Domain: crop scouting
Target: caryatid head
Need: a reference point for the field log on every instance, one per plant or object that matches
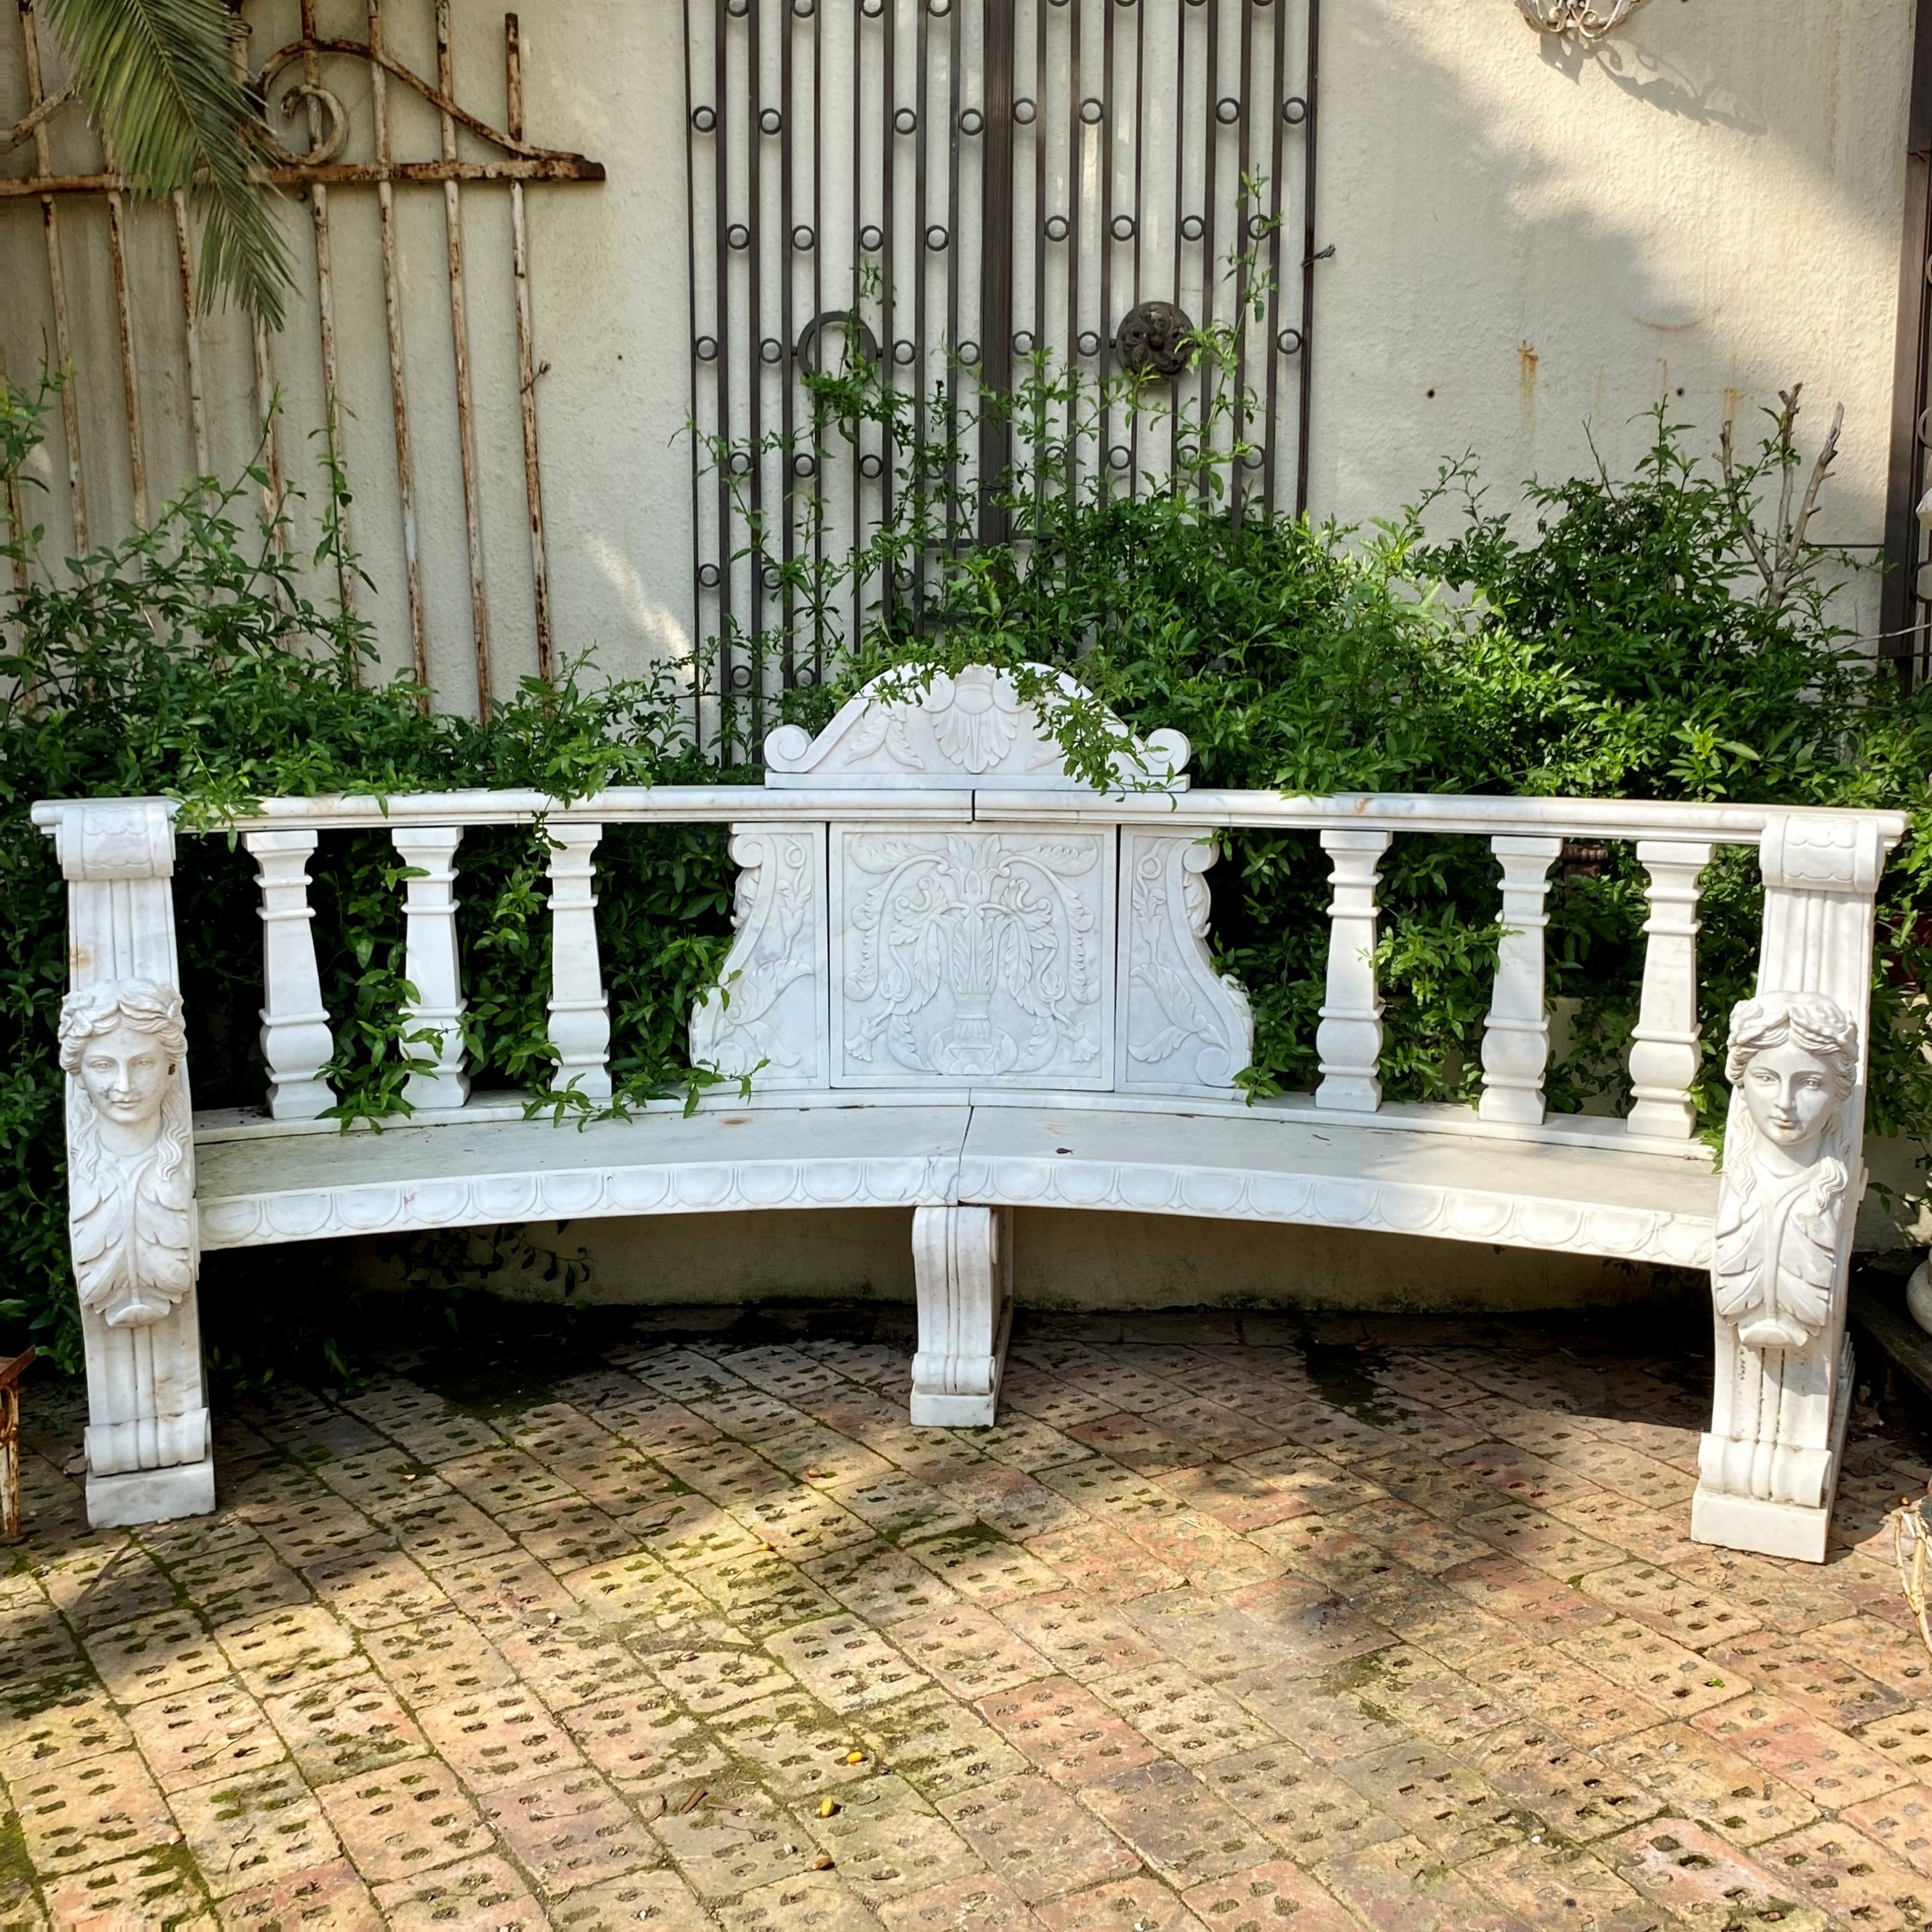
(1793, 1061)
(122, 1039)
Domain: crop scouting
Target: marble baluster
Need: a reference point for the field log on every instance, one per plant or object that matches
(432, 966)
(1666, 1051)
(1516, 1038)
(296, 1043)
(1349, 1042)
(580, 1012)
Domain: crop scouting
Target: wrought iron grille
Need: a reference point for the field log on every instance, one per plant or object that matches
(306, 86)
(954, 187)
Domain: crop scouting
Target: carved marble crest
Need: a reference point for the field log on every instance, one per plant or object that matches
(908, 731)
(130, 1155)
(971, 956)
(1793, 1064)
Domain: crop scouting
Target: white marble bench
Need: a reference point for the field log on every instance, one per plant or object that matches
(964, 982)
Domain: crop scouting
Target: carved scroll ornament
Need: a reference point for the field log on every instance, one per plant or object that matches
(130, 1164)
(1793, 1064)
(1587, 20)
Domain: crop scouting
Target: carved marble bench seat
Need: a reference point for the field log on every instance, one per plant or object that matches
(965, 981)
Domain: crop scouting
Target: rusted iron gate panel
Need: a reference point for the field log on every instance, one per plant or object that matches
(957, 186)
(11, 1370)
(304, 82)
(1906, 605)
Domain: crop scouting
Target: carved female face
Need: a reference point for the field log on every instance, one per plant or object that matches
(125, 1073)
(1790, 1092)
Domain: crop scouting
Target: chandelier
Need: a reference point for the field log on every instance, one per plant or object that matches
(1587, 20)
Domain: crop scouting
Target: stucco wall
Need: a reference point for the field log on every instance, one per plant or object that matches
(1532, 246)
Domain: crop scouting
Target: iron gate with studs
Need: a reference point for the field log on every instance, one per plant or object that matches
(952, 187)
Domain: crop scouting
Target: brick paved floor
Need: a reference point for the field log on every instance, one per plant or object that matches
(1231, 1627)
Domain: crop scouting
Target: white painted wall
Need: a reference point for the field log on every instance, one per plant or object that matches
(1535, 245)
(1532, 245)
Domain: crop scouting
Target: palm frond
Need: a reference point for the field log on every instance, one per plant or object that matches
(156, 77)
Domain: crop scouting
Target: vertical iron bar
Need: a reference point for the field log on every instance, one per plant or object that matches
(721, 297)
(820, 449)
(325, 301)
(921, 215)
(123, 317)
(30, 41)
(951, 258)
(1103, 363)
(1174, 397)
(197, 412)
(754, 317)
(787, 335)
(690, 363)
(1902, 611)
(889, 88)
(1076, 154)
(1310, 147)
(1038, 453)
(526, 369)
(1210, 209)
(392, 318)
(459, 328)
(996, 262)
(1278, 213)
(857, 589)
(1140, 118)
(1238, 490)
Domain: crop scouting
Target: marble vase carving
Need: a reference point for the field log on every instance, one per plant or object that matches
(131, 1157)
(968, 955)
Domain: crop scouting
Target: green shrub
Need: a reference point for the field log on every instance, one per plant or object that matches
(1666, 636)
(189, 663)
(1663, 636)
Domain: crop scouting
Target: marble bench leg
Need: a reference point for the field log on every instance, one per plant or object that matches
(963, 1266)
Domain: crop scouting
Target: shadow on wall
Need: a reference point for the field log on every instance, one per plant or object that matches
(1536, 242)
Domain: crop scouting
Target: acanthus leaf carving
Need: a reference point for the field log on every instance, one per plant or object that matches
(131, 1154)
(1182, 1023)
(766, 1017)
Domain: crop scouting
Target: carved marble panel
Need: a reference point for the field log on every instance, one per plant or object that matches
(768, 1015)
(1183, 1026)
(971, 957)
